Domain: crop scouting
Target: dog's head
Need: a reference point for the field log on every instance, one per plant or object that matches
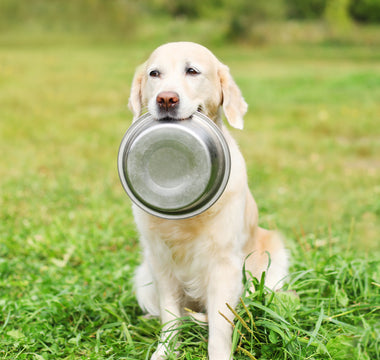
(181, 78)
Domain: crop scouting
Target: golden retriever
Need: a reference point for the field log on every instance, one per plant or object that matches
(197, 262)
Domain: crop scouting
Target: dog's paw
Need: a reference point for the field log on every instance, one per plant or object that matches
(162, 353)
(199, 318)
(156, 356)
(159, 354)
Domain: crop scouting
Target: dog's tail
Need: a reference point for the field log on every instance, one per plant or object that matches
(268, 254)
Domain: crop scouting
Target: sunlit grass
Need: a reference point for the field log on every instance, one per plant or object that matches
(68, 246)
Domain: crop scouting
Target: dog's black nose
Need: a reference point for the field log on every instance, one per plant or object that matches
(167, 100)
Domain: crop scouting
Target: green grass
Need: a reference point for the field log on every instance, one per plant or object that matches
(68, 245)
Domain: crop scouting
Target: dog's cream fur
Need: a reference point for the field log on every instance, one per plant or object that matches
(197, 262)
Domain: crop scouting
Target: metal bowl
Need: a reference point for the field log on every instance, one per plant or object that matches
(174, 169)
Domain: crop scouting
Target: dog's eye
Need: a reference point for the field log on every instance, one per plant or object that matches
(192, 71)
(154, 73)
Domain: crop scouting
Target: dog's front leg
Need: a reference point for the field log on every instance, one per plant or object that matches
(224, 287)
(168, 291)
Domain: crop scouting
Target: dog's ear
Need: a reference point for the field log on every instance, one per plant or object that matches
(234, 106)
(135, 99)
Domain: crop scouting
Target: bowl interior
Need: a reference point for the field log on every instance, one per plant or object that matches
(174, 168)
(168, 168)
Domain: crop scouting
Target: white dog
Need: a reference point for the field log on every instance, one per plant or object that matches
(197, 262)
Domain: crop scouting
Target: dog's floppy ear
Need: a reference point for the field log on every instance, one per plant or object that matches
(234, 106)
(135, 99)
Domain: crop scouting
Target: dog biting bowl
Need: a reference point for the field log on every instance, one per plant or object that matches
(174, 169)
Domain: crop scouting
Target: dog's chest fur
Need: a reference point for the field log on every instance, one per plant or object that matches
(186, 249)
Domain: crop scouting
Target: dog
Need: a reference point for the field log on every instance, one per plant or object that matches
(197, 262)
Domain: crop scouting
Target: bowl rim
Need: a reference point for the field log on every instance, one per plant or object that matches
(133, 131)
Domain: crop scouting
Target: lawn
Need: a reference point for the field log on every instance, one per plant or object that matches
(68, 245)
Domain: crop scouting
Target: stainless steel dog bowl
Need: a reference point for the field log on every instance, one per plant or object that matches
(174, 169)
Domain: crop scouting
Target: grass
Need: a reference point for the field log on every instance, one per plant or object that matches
(68, 246)
(329, 312)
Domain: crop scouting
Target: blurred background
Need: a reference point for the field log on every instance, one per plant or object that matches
(213, 21)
